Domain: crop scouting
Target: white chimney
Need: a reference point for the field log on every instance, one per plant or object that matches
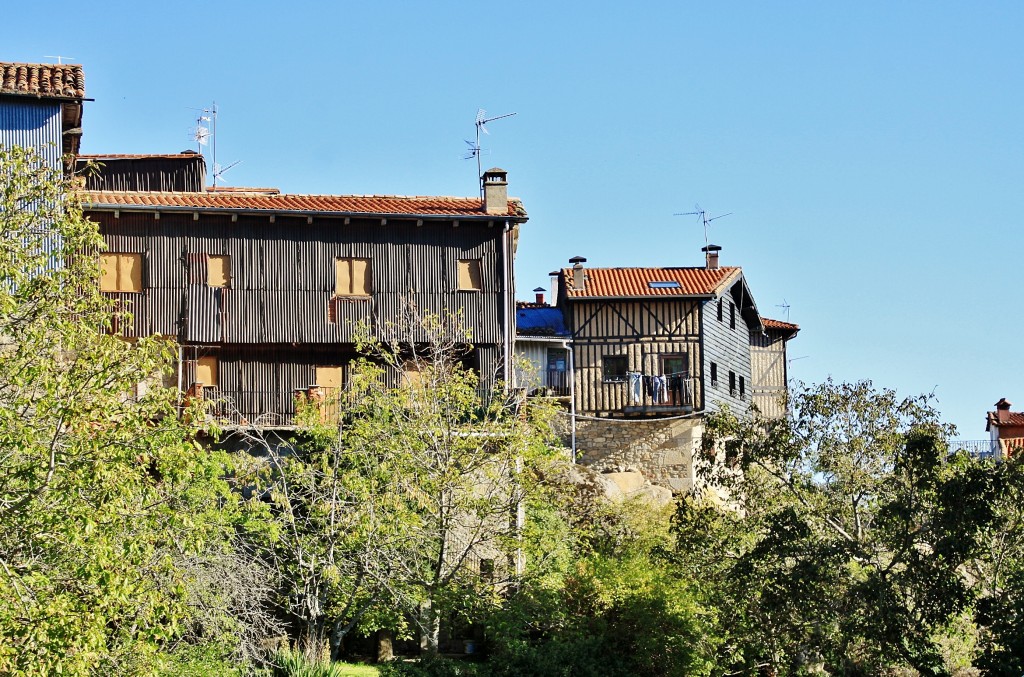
(579, 276)
(495, 191)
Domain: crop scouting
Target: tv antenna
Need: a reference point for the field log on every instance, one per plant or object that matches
(218, 171)
(785, 308)
(205, 132)
(703, 214)
(58, 57)
(474, 148)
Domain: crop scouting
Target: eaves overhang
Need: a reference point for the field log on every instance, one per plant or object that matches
(304, 213)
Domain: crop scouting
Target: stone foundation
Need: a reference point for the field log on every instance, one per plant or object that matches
(663, 450)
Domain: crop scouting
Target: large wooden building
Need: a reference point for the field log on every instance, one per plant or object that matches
(264, 291)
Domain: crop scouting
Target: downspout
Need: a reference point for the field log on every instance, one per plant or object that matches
(506, 320)
(572, 397)
(181, 358)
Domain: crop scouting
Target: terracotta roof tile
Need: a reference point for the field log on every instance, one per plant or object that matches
(345, 204)
(769, 323)
(136, 156)
(61, 81)
(634, 282)
(1011, 418)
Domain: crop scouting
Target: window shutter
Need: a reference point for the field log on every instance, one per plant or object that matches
(361, 277)
(206, 370)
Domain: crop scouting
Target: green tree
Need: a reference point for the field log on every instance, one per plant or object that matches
(404, 508)
(848, 537)
(109, 511)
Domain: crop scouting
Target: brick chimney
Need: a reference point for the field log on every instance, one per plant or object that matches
(579, 276)
(1003, 410)
(539, 291)
(711, 255)
(495, 183)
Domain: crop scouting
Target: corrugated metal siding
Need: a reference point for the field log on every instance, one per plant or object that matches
(187, 175)
(35, 124)
(282, 277)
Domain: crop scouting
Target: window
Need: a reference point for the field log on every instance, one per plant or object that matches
(719, 310)
(218, 271)
(614, 368)
(714, 374)
(732, 383)
(743, 389)
(121, 272)
(663, 284)
(487, 570)
(206, 371)
(352, 277)
(732, 315)
(470, 275)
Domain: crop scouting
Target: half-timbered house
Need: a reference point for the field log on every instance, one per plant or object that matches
(770, 366)
(265, 291)
(656, 349)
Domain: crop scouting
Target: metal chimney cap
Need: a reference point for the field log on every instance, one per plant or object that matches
(539, 289)
(554, 273)
(711, 248)
(578, 259)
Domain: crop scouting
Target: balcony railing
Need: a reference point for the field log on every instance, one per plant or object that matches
(667, 394)
(556, 382)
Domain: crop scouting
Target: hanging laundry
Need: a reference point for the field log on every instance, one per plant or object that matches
(635, 379)
(657, 388)
(675, 388)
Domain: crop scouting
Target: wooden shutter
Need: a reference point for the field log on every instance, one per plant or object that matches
(129, 272)
(361, 277)
(469, 274)
(342, 277)
(206, 370)
(218, 271)
(329, 377)
(108, 272)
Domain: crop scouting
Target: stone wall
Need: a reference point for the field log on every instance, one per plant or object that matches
(663, 450)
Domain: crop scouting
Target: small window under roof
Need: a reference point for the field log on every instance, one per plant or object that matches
(663, 284)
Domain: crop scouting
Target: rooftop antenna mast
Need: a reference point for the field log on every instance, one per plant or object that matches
(58, 57)
(785, 308)
(474, 148)
(703, 214)
(206, 132)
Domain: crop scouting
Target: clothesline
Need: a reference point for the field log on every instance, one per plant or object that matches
(674, 373)
(660, 388)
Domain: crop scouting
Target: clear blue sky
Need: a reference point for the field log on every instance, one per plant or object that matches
(870, 152)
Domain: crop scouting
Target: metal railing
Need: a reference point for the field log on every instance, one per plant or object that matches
(556, 382)
(975, 448)
(669, 392)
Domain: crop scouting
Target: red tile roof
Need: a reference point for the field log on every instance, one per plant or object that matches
(63, 81)
(343, 204)
(634, 282)
(1010, 418)
(136, 156)
(769, 323)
